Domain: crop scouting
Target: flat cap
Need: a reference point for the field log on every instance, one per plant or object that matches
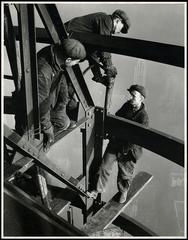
(138, 88)
(123, 16)
(74, 48)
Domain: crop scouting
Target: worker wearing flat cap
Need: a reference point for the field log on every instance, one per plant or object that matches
(103, 24)
(53, 88)
(125, 153)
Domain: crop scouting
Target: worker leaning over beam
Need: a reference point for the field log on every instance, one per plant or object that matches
(103, 24)
(53, 88)
(125, 153)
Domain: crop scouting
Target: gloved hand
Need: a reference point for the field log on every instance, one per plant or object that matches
(48, 138)
(103, 79)
(111, 71)
(72, 104)
(126, 148)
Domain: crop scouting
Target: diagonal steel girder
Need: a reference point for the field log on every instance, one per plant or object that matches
(52, 22)
(26, 148)
(158, 142)
(56, 33)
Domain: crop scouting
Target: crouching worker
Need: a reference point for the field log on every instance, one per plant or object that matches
(125, 153)
(53, 86)
(103, 24)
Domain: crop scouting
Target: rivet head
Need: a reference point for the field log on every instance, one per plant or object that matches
(27, 70)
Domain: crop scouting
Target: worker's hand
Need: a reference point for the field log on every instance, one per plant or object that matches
(111, 71)
(103, 79)
(48, 138)
(72, 104)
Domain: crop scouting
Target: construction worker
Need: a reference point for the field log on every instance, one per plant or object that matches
(103, 24)
(53, 87)
(125, 153)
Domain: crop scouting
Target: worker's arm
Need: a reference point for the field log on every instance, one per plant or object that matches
(44, 83)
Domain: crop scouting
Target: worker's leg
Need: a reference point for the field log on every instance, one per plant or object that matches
(73, 104)
(103, 174)
(105, 170)
(58, 114)
(126, 167)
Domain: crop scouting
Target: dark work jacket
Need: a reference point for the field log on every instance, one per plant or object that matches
(140, 116)
(99, 23)
(52, 85)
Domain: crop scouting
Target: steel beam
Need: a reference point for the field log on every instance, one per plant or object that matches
(56, 31)
(43, 35)
(98, 147)
(132, 226)
(75, 75)
(25, 217)
(149, 50)
(8, 105)
(111, 210)
(27, 149)
(10, 43)
(50, 14)
(153, 51)
(29, 68)
(48, 22)
(88, 139)
(158, 142)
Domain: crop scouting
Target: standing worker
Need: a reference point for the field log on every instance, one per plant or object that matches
(125, 153)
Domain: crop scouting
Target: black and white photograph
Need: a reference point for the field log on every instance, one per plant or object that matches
(94, 120)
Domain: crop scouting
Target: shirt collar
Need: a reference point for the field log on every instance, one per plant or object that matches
(54, 60)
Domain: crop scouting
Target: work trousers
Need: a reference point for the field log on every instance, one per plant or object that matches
(126, 165)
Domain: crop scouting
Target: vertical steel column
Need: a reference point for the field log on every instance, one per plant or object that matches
(29, 67)
(107, 102)
(88, 151)
(98, 149)
(30, 83)
(70, 216)
(10, 43)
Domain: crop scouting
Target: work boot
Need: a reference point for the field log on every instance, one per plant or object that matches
(72, 124)
(102, 79)
(122, 197)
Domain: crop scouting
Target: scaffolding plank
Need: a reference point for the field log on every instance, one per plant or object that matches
(110, 211)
